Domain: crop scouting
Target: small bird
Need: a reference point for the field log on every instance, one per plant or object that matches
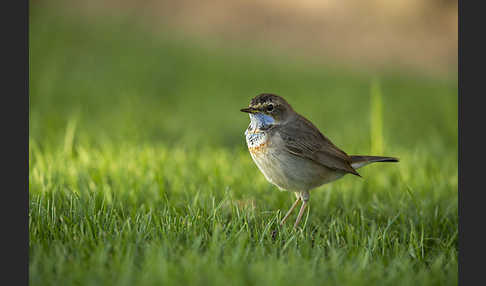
(292, 153)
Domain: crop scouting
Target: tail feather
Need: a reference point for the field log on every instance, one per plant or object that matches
(360, 161)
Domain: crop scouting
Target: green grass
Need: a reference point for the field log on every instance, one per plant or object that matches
(139, 173)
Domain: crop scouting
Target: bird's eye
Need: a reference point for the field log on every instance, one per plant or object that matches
(270, 107)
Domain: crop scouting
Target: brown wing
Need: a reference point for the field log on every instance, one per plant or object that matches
(303, 139)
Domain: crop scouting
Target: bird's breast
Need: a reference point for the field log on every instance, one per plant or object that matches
(257, 142)
(282, 168)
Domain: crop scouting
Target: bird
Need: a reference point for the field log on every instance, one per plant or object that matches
(292, 153)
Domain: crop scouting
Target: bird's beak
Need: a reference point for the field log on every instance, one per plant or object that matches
(249, 110)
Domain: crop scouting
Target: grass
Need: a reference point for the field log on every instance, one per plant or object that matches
(139, 174)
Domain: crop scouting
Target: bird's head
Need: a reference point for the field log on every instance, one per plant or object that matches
(269, 109)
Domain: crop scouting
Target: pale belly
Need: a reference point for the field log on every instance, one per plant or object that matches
(285, 170)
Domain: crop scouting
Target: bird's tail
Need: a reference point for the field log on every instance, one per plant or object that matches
(360, 161)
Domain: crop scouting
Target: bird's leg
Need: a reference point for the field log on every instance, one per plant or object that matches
(305, 198)
(291, 209)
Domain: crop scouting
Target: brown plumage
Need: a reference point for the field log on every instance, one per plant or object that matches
(296, 155)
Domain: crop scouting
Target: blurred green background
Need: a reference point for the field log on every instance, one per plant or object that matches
(119, 81)
(136, 136)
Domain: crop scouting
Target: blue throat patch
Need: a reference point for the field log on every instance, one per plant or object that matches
(260, 121)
